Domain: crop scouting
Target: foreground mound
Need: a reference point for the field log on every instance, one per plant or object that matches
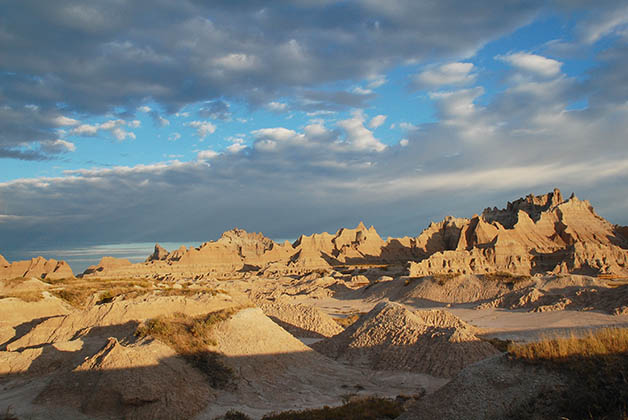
(302, 320)
(390, 337)
(139, 381)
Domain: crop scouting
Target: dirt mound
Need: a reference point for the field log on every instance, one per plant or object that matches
(145, 380)
(575, 295)
(457, 288)
(391, 337)
(489, 389)
(302, 320)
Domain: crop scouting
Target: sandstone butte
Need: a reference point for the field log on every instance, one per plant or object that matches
(532, 235)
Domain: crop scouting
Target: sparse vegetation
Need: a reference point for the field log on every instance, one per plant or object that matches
(191, 337)
(370, 408)
(442, 278)
(505, 277)
(596, 371)
(233, 415)
(26, 296)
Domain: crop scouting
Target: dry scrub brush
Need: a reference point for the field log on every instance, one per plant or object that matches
(191, 337)
(595, 368)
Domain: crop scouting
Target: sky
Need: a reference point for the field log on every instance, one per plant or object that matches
(135, 122)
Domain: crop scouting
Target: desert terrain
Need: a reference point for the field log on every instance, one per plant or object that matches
(432, 325)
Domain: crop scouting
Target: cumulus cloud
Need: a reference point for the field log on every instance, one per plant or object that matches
(115, 127)
(276, 106)
(447, 74)
(203, 128)
(533, 63)
(358, 136)
(207, 154)
(377, 121)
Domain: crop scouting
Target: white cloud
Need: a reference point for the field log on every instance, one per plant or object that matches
(377, 121)
(57, 146)
(361, 91)
(203, 128)
(237, 62)
(236, 147)
(358, 136)
(174, 136)
(447, 74)
(144, 108)
(207, 154)
(113, 126)
(533, 63)
(276, 106)
(85, 130)
(64, 121)
(135, 123)
(403, 142)
(376, 81)
(162, 121)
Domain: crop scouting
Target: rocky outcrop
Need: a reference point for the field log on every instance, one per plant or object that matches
(238, 251)
(536, 234)
(39, 267)
(390, 337)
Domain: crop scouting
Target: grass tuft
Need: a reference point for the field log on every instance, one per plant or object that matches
(596, 370)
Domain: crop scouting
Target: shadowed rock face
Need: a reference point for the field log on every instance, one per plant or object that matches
(532, 235)
(37, 267)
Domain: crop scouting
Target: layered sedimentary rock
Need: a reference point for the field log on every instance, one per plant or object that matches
(536, 234)
(241, 251)
(39, 267)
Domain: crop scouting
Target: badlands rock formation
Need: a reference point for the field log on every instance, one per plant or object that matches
(391, 337)
(39, 267)
(536, 234)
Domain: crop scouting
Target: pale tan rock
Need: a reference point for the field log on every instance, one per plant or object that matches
(37, 267)
(302, 320)
(391, 337)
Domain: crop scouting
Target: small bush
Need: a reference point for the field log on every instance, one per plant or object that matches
(190, 337)
(234, 415)
(442, 278)
(370, 408)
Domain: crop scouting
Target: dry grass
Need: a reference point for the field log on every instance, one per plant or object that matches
(442, 278)
(26, 296)
(595, 368)
(191, 337)
(505, 277)
(606, 341)
(370, 408)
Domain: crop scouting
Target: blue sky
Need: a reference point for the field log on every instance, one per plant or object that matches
(140, 122)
